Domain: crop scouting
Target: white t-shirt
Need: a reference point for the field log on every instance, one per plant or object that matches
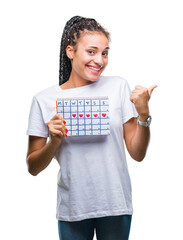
(93, 180)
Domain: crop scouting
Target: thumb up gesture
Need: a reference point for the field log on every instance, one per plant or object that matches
(140, 97)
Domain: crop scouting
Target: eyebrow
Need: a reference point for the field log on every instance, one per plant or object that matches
(97, 47)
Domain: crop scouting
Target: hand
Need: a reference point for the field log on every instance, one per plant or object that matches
(140, 97)
(57, 129)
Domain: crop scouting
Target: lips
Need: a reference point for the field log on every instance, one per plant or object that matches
(94, 68)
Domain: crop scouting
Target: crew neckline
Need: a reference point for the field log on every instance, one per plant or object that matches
(78, 88)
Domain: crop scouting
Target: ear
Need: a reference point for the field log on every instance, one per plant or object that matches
(70, 52)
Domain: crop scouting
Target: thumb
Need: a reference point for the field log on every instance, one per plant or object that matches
(151, 88)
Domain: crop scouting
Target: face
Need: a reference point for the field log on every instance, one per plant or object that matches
(90, 57)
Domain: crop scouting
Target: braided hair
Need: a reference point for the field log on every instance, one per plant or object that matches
(71, 34)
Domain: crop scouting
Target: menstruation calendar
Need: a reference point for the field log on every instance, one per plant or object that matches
(85, 116)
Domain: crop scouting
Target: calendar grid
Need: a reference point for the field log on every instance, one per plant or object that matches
(100, 121)
(85, 116)
(91, 117)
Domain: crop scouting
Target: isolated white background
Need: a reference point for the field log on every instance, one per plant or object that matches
(146, 48)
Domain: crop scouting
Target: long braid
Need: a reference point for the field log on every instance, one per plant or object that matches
(71, 33)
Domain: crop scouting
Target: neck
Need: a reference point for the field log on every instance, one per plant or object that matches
(75, 81)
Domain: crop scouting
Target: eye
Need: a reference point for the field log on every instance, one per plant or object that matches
(91, 52)
(105, 54)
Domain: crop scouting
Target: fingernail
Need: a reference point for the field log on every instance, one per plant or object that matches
(66, 130)
(64, 121)
(65, 135)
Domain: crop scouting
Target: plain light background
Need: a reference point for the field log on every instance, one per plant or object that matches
(146, 49)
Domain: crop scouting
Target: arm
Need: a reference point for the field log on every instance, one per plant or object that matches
(136, 139)
(40, 153)
(136, 136)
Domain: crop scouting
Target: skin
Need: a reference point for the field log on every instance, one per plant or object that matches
(91, 51)
(89, 58)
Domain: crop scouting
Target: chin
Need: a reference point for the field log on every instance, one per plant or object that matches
(94, 78)
(92, 75)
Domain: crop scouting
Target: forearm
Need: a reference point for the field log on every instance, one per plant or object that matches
(137, 136)
(139, 142)
(40, 159)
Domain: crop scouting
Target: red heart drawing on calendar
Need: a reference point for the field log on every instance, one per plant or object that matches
(103, 114)
(74, 115)
(80, 115)
(87, 115)
(95, 115)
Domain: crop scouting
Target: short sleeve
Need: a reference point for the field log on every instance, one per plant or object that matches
(36, 124)
(128, 108)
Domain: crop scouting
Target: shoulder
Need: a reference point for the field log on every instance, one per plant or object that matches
(46, 93)
(114, 80)
(45, 102)
(46, 99)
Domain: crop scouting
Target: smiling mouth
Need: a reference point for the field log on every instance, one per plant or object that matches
(95, 68)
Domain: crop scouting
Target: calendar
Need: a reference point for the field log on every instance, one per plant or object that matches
(85, 116)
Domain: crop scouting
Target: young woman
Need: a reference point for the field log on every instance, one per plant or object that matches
(94, 190)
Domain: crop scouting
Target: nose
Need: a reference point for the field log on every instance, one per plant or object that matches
(99, 59)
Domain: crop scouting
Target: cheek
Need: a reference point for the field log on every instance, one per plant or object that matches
(82, 60)
(79, 66)
(106, 61)
(85, 59)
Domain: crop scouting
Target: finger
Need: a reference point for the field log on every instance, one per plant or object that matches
(58, 132)
(151, 88)
(57, 122)
(132, 99)
(55, 132)
(138, 87)
(59, 127)
(57, 117)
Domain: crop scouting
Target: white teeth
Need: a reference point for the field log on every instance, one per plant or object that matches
(95, 69)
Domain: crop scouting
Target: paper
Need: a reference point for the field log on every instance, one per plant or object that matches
(85, 116)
